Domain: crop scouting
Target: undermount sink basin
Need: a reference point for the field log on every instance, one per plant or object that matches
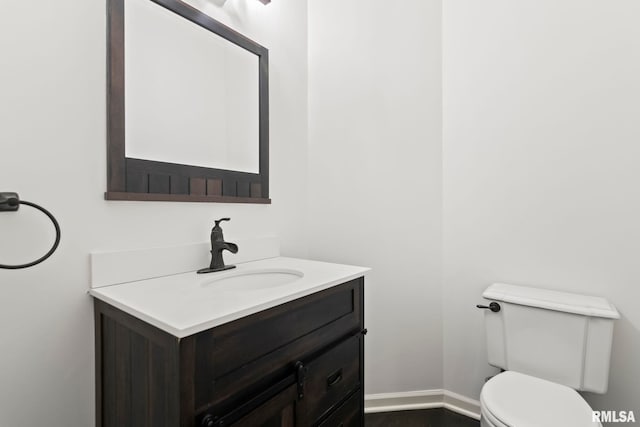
(252, 280)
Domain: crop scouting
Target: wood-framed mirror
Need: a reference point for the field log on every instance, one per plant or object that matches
(187, 107)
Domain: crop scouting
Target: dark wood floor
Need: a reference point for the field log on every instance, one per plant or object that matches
(419, 418)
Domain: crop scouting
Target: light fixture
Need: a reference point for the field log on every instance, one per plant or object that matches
(265, 1)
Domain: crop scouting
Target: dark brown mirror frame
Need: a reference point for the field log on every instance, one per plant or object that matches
(137, 179)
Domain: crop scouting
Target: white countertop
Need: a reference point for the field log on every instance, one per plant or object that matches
(187, 303)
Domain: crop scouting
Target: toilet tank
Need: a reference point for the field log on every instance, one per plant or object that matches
(558, 336)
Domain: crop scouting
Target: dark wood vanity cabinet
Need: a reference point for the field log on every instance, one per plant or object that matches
(297, 364)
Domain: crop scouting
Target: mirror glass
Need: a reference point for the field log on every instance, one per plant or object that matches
(191, 96)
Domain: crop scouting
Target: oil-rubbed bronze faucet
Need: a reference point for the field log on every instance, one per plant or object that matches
(217, 246)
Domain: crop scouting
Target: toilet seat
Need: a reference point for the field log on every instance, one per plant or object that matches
(511, 399)
(488, 420)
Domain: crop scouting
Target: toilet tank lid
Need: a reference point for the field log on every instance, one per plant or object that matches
(552, 300)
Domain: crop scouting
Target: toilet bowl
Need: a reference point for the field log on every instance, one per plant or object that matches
(512, 399)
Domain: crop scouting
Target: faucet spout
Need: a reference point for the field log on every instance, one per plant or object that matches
(226, 246)
(217, 262)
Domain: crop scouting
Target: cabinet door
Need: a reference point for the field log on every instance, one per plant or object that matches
(275, 407)
(279, 411)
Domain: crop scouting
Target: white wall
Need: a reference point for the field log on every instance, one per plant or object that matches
(539, 161)
(53, 150)
(375, 174)
(541, 171)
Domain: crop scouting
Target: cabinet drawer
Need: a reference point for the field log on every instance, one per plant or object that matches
(237, 359)
(349, 414)
(331, 378)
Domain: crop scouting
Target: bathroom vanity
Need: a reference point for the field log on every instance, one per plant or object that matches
(245, 355)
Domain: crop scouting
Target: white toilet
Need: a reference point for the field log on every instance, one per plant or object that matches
(550, 344)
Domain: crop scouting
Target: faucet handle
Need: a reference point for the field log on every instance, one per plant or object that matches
(218, 221)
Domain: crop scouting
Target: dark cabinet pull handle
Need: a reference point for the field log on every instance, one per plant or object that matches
(494, 306)
(334, 378)
(301, 372)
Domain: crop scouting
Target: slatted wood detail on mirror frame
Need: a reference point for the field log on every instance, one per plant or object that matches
(147, 180)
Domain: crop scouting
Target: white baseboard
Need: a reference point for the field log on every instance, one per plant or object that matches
(423, 399)
(461, 404)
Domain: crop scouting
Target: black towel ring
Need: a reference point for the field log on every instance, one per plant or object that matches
(11, 202)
